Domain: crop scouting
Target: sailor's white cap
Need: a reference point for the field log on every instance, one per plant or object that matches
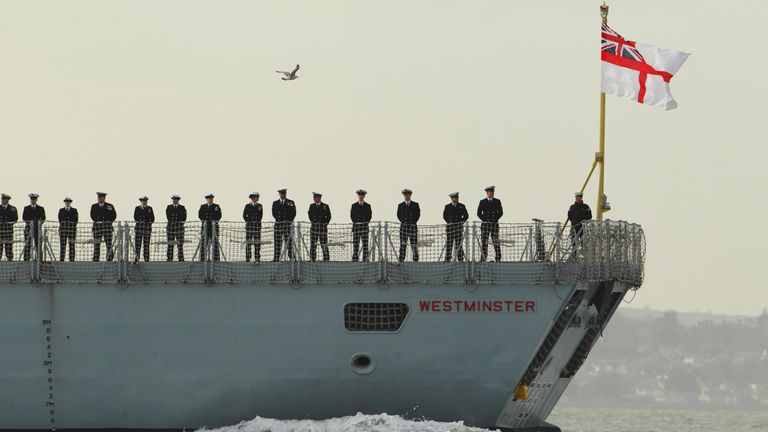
(210, 195)
(490, 189)
(406, 191)
(317, 194)
(67, 199)
(361, 192)
(578, 193)
(143, 197)
(34, 195)
(253, 194)
(175, 196)
(453, 194)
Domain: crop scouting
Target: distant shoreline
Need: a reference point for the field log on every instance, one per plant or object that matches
(661, 407)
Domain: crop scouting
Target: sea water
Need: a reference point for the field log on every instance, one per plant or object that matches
(569, 419)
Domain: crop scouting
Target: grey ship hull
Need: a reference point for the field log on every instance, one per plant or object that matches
(187, 355)
(169, 345)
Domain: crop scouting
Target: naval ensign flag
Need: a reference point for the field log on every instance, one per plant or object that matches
(638, 71)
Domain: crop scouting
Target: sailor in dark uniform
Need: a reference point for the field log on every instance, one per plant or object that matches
(68, 219)
(489, 211)
(176, 215)
(319, 215)
(361, 214)
(210, 214)
(8, 216)
(144, 217)
(454, 215)
(33, 217)
(252, 215)
(284, 212)
(103, 214)
(578, 213)
(408, 213)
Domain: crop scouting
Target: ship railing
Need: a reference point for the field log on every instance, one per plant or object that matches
(525, 244)
(461, 252)
(300, 252)
(165, 252)
(339, 253)
(86, 252)
(14, 240)
(426, 253)
(612, 250)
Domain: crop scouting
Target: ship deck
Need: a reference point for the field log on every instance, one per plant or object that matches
(529, 253)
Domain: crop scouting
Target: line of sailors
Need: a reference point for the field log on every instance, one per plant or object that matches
(103, 214)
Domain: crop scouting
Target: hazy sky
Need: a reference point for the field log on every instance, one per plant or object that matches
(161, 97)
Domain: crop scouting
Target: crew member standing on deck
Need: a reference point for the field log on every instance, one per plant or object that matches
(176, 215)
(578, 213)
(489, 211)
(144, 217)
(252, 215)
(284, 212)
(319, 215)
(454, 215)
(33, 216)
(103, 214)
(408, 213)
(210, 214)
(68, 219)
(8, 216)
(361, 214)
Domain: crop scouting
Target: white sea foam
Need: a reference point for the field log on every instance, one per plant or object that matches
(570, 419)
(356, 423)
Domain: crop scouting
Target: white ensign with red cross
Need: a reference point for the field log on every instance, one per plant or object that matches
(638, 71)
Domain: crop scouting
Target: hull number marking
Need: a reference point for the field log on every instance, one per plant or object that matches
(49, 404)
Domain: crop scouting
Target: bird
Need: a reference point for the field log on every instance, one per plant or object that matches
(289, 76)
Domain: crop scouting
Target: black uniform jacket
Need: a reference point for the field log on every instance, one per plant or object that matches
(285, 212)
(176, 214)
(68, 218)
(319, 213)
(104, 213)
(578, 213)
(210, 212)
(408, 214)
(361, 213)
(33, 214)
(8, 215)
(253, 212)
(489, 210)
(145, 215)
(455, 213)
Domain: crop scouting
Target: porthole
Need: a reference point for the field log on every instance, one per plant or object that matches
(362, 363)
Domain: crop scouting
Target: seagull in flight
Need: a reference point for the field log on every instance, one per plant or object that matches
(289, 76)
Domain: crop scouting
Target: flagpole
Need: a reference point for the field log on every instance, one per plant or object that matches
(602, 205)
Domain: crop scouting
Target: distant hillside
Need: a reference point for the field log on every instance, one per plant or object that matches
(685, 318)
(688, 360)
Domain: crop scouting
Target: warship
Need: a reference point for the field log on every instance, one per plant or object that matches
(158, 344)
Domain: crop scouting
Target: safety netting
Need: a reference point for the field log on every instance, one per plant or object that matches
(302, 252)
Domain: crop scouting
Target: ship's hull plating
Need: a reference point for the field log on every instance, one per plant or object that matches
(187, 355)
